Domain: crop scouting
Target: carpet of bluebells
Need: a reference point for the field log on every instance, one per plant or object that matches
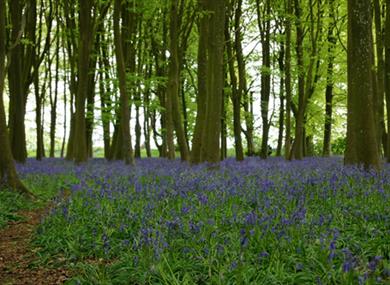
(255, 222)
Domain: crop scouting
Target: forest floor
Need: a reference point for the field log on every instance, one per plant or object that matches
(17, 256)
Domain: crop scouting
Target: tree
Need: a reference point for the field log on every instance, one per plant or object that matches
(265, 35)
(361, 129)
(8, 175)
(287, 145)
(17, 97)
(174, 116)
(84, 53)
(331, 38)
(124, 98)
(201, 98)
(236, 91)
(387, 74)
(210, 143)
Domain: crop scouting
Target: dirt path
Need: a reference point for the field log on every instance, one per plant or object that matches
(16, 255)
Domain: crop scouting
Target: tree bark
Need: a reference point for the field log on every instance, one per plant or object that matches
(380, 73)
(331, 39)
(17, 98)
(84, 53)
(265, 31)
(202, 84)
(124, 97)
(215, 47)
(361, 136)
(8, 175)
(281, 61)
(387, 74)
(174, 116)
(287, 145)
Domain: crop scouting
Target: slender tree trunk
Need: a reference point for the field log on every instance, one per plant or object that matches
(173, 106)
(281, 98)
(124, 98)
(299, 126)
(89, 120)
(84, 53)
(202, 85)
(326, 151)
(287, 145)
(381, 133)
(223, 154)
(265, 31)
(38, 118)
(105, 94)
(147, 115)
(53, 101)
(65, 123)
(236, 92)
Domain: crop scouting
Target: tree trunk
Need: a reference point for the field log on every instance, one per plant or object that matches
(84, 53)
(298, 142)
(381, 133)
(105, 94)
(202, 84)
(124, 98)
(361, 136)
(287, 145)
(8, 175)
(326, 150)
(215, 48)
(235, 93)
(17, 98)
(265, 31)
(387, 74)
(53, 100)
(238, 93)
(281, 98)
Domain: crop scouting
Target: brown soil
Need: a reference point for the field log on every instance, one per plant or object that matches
(17, 255)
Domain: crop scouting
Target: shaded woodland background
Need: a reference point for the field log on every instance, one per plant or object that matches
(196, 75)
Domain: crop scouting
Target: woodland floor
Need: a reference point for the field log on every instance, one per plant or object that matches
(17, 256)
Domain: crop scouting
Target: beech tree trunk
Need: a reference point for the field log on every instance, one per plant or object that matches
(84, 53)
(17, 98)
(8, 175)
(202, 84)
(235, 91)
(265, 32)
(128, 155)
(287, 144)
(281, 62)
(387, 74)
(173, 106)
(326, 150)
(361, 130)
(210, 149)
(380, 77)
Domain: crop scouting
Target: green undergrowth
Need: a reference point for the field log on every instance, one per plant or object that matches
(44, 187)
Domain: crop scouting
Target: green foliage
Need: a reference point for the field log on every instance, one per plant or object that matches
(44, 187)
(338, 146)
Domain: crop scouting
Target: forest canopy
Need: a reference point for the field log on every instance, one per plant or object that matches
(206, 79)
